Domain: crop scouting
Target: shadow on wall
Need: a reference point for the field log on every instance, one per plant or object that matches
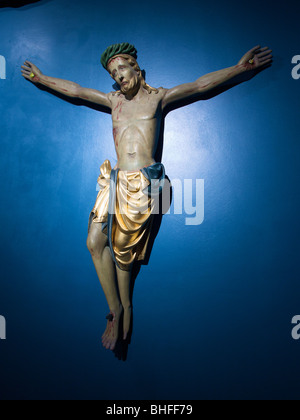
(17, 3)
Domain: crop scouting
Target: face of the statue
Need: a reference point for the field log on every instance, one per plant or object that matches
(124, 75)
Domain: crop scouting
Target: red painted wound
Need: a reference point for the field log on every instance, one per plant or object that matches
(248, 66)
(119, 104)
(112, 60)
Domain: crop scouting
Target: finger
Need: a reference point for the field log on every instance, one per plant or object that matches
(267, 57)
(28, 62)
(264, 58)
(264, 48)
(265, 66)
(259, 51)
(28, 73)
(265, 63)
(265, 52)
(252, 51)
(25, 68)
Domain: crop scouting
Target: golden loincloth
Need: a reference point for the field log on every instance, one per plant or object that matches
(126, 205)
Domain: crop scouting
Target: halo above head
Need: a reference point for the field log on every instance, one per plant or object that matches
(115, 50)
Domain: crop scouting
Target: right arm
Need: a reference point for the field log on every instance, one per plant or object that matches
(73, 90)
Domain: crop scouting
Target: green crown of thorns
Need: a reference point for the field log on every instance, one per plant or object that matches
(117, 49)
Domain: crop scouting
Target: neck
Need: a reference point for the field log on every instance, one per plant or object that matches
(137, 92)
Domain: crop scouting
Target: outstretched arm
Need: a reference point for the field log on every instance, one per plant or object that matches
(251, 63)
(70, 89)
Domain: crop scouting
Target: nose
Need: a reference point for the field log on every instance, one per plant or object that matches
(121, 78)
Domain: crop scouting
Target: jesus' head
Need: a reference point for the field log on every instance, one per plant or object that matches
(120, 61)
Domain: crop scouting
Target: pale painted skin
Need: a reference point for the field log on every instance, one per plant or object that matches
(136, 117)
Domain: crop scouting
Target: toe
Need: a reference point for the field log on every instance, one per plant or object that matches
(113, 345)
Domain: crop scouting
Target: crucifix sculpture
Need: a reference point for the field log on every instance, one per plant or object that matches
(122, 218)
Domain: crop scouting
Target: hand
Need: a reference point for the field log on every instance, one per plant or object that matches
(31, 72)
(257, 58)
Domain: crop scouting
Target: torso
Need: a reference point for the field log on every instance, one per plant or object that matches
(136, 127)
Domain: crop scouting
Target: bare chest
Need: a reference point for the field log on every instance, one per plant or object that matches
(125, 111)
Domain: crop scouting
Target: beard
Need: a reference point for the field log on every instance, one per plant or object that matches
(132, 86)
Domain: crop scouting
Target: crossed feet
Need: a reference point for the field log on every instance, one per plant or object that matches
(111, 334)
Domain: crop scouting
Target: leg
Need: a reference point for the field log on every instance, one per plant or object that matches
(124, 278)
(97, 244)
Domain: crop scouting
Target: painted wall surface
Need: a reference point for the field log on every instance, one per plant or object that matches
(213, 309)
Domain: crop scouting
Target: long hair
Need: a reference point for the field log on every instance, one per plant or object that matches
(133, 63)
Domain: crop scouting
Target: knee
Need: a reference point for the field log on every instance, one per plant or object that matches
(127, 306)
(89, 244)
(94, 246)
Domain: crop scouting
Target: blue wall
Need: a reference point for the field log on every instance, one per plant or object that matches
(213, 308)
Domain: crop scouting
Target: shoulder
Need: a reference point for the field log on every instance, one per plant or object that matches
(162, 91)
(115, 96)
(159, 93)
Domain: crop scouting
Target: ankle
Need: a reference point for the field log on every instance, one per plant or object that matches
(116, 309)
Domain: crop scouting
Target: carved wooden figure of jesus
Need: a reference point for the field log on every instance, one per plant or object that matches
(122, 218)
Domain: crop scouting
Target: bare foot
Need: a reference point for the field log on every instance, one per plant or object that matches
(110, 336)
(126, 322)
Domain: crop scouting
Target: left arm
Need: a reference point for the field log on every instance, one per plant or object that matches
(250, 64)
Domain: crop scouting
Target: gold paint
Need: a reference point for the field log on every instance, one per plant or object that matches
(133, 214)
